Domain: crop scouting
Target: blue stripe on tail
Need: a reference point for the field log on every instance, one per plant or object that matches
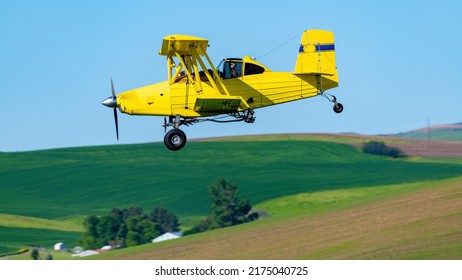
(323, 48)
(319, 48)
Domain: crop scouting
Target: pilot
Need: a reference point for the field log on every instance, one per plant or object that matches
(233, 70)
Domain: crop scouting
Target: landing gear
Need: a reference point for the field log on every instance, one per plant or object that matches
(175, 139)
(338, 107)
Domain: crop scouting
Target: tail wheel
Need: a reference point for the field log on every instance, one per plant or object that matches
(175, 139)
(338, 107)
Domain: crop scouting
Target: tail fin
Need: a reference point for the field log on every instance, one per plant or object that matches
(317, 54)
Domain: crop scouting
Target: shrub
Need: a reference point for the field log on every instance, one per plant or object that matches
(35, 255)
(379, 148)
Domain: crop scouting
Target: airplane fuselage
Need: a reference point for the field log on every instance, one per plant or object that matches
(260, 90)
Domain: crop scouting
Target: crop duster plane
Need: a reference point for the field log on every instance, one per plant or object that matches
(198, 91)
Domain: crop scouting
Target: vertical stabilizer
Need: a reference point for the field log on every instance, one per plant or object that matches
(316, 54)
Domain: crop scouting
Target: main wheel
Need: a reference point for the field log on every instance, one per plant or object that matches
(338, 108)
(175, 139)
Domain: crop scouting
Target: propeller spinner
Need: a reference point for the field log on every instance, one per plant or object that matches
(111, 102)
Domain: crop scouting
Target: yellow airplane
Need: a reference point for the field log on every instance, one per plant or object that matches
(197, 91)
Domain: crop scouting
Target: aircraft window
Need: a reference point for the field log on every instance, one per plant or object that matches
(252, 69)
(232, 69)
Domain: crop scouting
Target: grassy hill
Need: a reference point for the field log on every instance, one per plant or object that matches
(449, 132)
(63, 185)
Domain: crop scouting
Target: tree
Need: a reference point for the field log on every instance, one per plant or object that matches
(167, 221)
(132, 239)
(91, 238)
(88, 241)
(108, 227)
(148, 230)
(227, 208)
(91, 223)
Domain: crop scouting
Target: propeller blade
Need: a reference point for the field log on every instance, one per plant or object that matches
(113, 91)
(165, 125)
(116, 123)
(112, 102)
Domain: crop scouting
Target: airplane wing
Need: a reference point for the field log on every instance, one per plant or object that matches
(181, 44)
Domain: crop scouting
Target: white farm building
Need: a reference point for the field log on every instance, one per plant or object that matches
(167, 236)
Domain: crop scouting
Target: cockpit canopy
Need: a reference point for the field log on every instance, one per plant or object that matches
(238, 67)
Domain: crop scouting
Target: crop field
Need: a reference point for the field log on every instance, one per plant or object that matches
(53, 190)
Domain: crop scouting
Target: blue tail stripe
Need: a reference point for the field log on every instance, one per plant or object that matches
(322, 48)
(319, 48)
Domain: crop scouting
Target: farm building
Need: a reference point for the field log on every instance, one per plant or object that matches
(59, 246)
(85, 253)
(167, 236)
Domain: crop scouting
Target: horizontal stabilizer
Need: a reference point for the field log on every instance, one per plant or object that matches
(318, 73)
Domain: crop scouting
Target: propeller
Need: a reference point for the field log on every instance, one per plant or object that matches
(111, 102)
(165, 125)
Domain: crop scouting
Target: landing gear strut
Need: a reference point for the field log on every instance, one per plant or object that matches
(175, 139)
(338, 107)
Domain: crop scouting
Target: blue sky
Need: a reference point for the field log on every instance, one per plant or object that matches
(399, 65)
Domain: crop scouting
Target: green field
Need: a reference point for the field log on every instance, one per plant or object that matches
(62, 185)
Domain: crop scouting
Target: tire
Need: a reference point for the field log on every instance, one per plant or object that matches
(338, 108)
(175, 139)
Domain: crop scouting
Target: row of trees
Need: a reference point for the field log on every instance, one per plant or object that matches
(130, 227)
(126, 227)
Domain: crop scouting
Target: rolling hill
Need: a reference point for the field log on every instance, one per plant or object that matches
(63, 185)
(447, 132)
